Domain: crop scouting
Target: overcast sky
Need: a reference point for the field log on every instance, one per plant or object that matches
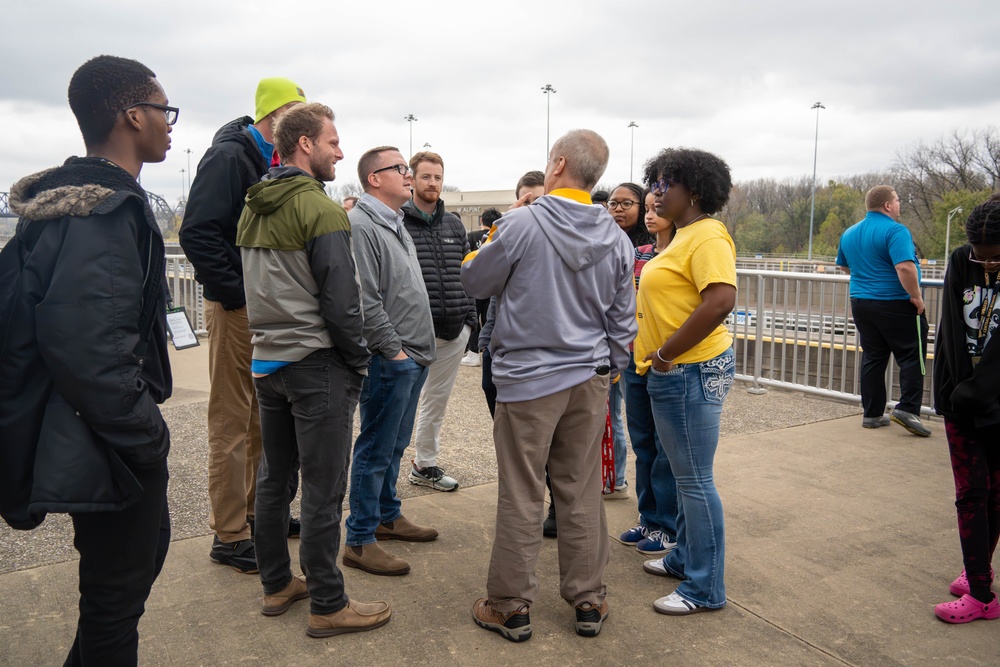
(734, 77)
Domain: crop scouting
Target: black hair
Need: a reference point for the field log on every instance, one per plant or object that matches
(983, 224)
(599, 196)
(101, 88)
(704, 174)
(638, 235)
(489, 216)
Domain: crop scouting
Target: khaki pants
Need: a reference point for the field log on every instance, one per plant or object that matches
(573, 422)
(233, 423)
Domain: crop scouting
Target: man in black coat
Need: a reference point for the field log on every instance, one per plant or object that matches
(86, 364)
(441, 243)
(240, 155)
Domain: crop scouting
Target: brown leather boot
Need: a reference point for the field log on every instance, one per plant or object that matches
(278, 604)
(355, 617)
(404, 530)
(372, 559)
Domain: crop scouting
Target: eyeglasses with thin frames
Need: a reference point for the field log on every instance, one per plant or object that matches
(992, 261)
(402, 169)
(170, 112)
(625, 204)
(662, 185)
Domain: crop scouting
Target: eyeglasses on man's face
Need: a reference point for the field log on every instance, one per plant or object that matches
(625, 204)
(662, 185)
(402, 169)
(170, 112)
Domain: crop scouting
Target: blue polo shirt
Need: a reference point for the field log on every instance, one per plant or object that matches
(871, 249)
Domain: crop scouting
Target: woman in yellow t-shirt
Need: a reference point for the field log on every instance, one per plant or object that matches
(685, 351)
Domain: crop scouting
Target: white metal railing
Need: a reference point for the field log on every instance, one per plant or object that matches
(796, 331)
(186, 291)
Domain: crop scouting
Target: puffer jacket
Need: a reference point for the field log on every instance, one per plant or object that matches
(83, 351)
(441, 246)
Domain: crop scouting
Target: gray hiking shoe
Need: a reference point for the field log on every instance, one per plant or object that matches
(910, 422)
(875, 422)
(433, 477)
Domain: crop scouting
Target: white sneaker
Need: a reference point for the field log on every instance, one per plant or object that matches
(471, 359)
(675, 605)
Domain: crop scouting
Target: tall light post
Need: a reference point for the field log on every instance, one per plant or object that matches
(947, 235)
(189, 151)
(631, 155)
(183, 182)
(410, 118)
(548, 90)
(812, 207)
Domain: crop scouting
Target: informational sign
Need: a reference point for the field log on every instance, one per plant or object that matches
(180, 329)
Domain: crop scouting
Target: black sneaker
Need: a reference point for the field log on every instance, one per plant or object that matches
(549, 528)
(589, 619)
(238, 555)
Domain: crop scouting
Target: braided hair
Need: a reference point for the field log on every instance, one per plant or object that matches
(983, 224)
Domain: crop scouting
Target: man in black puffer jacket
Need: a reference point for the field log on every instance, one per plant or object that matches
(442, 244)
(83, 355)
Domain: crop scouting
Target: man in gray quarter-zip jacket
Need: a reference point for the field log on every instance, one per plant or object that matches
(400, 335)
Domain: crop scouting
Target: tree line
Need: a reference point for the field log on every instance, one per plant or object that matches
(960, 169)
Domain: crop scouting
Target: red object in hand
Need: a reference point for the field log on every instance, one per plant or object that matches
(608, 454)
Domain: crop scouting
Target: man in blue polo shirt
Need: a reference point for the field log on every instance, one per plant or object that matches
(888, 308)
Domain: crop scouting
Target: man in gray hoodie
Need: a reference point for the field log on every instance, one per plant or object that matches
(562, 272)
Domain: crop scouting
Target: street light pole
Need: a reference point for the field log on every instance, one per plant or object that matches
(182, 185)
(812, 207)
(947, 235)
(410, 118)
(189, 151)
(631, 155)
(548, 90)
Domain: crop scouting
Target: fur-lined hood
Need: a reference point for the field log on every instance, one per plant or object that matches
(78, 188)
(28, 201)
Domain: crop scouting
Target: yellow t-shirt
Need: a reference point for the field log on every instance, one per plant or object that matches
(670, 287)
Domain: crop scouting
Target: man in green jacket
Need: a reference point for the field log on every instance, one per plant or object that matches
(309, 360)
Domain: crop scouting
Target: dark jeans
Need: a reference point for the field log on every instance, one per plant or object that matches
(975, 462)
(306, 412)
(886, 327)
(121, 554)
(489, 388)
(655, 487)
(388, 408)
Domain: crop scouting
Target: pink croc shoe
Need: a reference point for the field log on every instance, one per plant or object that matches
(960, 586)
(967, 608)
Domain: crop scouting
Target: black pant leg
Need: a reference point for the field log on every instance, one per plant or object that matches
(489, 389)
(875, 355)
(121, 553)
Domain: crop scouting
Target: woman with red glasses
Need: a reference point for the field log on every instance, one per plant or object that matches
(967, 394)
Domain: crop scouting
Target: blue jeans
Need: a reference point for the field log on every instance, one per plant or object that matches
(618, 431)
(388, 409)
(687, 407)
(655, 487)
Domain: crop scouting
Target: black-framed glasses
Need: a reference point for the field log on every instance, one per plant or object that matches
(170, 112)
(401, 168)
(625, 204)
(983, 262)
(662, 185)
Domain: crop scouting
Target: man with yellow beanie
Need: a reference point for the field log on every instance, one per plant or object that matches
(240, 155)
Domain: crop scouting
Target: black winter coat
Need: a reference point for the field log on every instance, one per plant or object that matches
(962, 392)
(441, 247)
(231, 165)
(83, 358)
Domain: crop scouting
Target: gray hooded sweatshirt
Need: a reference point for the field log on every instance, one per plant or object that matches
(562, 272)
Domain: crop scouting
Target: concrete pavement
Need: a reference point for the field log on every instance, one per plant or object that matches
(839, 543)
